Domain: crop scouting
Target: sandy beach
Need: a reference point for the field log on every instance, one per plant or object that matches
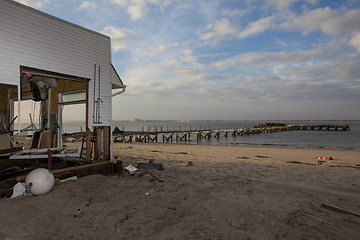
(204, 192)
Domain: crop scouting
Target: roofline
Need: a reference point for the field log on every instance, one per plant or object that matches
(56, 18)
(122, 83)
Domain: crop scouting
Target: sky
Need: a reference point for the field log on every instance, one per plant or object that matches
(227, 60)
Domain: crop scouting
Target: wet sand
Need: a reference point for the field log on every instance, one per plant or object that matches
(226, 193)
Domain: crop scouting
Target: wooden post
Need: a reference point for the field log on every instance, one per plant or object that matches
(106, 143)
(98, 143)
(49, 159)
(88, 145)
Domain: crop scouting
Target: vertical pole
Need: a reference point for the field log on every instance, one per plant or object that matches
(88, 145)
(49, 159)
(94, 94)
(19, 106)
(106, 143)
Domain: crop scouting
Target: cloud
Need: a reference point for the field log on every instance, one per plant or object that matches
(137, 9)
(136, 12)
(188, 57)
(86, 4)
(221, 29)
(34, 3)
(325, 19)
(256, 27)
(233, 12)
(284, 4)
(119, 39)
(225, 29)
(161, 48)
(355, 41)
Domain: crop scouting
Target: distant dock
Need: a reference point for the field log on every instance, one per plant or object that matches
(156, 135)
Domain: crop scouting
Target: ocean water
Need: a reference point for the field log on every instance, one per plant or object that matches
(347, 140)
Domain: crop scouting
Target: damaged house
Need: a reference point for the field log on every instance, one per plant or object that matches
(55, 63)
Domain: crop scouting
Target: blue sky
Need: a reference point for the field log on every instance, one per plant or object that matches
(218, 59)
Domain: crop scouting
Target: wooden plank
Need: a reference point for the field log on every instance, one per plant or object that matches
(4, 141)
(46, 139)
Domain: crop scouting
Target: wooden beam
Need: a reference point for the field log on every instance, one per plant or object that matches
(69, 169)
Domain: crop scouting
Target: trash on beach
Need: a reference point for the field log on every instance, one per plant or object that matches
(40, 181)
(324, 158)
(77, 213)
(190, 163)
(131, 169)
(150, 165)
(147, 194)
(18, 191)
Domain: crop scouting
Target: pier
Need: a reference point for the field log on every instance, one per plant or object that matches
(156, 135)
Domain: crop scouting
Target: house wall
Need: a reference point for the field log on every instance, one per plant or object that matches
(34, 39)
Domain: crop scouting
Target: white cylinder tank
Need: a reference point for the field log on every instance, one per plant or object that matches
(40, 181)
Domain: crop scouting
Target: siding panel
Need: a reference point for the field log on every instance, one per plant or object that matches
(35, 39)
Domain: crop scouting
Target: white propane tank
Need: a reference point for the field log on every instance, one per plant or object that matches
(40, 181)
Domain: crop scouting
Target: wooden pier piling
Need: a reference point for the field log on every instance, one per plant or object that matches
(185, 135)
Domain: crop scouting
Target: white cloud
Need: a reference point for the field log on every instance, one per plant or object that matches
(256, 27)
(136, 12)
(281, 4)
(220, 29)
(325, 19)
(161, 48)
(188, 57)
(34, 3)
(225, 29)
(119, 38)
(121, 2)
(137, 9)
(284, 4)
(86, 4)
(355, 41)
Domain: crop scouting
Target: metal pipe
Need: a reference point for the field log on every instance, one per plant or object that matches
(94, 94)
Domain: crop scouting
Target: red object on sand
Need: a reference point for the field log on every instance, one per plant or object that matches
(324, 158)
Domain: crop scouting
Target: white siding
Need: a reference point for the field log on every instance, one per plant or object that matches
(34, 39)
